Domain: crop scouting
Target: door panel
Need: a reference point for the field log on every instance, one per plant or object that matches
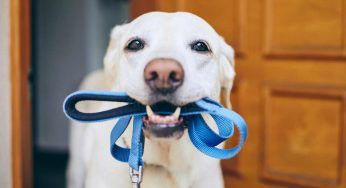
(304, 27)
(290, 87)
(301, 140)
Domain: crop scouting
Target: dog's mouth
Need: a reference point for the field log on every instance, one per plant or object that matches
(163, 126)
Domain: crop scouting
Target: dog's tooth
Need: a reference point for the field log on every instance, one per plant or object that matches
(168, 119)
(176, 114)
(163, 125)
(171, 118)
(149, 111)
(163, 120)
(171, 125)
(160, 119)
(152, 118)
(155, 118)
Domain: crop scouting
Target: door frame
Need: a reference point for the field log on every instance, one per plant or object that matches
(20, 61)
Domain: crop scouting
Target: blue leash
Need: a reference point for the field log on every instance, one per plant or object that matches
(202, 137)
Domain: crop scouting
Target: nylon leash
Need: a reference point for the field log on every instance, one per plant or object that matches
(201, 136)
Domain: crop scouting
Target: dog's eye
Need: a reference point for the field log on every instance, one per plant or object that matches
(135, 45)
(200, 46)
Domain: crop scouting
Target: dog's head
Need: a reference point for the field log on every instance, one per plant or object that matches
(172, 57)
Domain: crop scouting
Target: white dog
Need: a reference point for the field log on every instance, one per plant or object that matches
(173, 57)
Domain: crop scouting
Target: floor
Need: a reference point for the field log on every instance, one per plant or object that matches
(50, 168)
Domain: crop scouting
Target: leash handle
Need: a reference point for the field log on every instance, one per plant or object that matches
(131, 109)
(73, 113)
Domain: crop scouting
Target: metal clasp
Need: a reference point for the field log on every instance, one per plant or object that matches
(136, 177)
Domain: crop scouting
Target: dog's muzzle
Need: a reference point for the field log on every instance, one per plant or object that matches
(163, 76)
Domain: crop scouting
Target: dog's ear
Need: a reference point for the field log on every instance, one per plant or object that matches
(114, 50)
(226, 72)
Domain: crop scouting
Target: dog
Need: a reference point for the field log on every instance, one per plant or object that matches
(173, 57)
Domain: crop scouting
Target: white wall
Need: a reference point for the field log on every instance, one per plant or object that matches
(5, 152)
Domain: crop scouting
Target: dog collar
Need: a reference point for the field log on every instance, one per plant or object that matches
(201, 136)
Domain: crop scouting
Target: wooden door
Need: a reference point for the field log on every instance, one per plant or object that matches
(20, 59)
(290, 87)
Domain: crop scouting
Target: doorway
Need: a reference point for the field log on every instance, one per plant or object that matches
(69, 39)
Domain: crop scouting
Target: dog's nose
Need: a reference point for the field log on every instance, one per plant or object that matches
(164, 75)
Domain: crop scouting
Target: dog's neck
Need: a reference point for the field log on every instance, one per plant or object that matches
(172, 154)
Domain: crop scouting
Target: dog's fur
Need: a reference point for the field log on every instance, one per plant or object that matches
(168, 162)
